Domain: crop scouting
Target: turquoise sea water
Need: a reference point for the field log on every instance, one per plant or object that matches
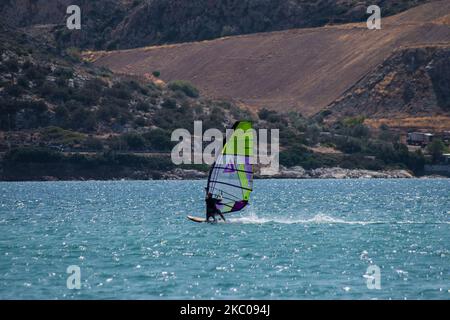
(299, 239)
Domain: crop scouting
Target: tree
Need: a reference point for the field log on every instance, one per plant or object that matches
(264, 113)
(159, 140)
(134, 141)
(436, 149)
(93, 144)
(416, 161)
(169, 103)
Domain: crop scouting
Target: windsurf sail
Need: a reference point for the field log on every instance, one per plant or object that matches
(231, 176)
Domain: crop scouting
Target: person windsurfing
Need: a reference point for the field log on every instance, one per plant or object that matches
(230, 178)
(211, 208)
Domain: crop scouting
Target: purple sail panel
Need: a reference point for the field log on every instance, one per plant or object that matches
(239, 205)
(229, 168)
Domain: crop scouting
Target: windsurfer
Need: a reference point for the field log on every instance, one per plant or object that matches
(211, 208)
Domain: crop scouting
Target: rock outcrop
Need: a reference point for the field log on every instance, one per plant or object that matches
(301, 173)
(184, 174)
(340, 173)
(413, 81)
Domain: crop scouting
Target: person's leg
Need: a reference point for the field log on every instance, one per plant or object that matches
(220, 214)
(210, 215)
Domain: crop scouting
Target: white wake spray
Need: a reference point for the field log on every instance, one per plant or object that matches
(252, 218)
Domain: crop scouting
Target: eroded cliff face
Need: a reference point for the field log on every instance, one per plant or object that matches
(120, 24)
(21, 13)
(440, 78)
(412, 82)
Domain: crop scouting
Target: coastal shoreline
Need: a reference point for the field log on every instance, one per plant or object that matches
(299, 173)
(319, 173)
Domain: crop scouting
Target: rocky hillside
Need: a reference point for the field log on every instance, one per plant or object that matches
(119, 24)
(162, 21)
(301, 69)
(48, 18)
(62, 118)
(41, 87)
(413, 81)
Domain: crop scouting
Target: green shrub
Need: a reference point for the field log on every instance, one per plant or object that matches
(159, 140)
(436, 149)
(274, 118)
(169, 103)
(353, 121)
(23, 82)
(264, 113)
(87, 95)
(92, 143)
(83, 119)
(133, 85)
(61, 114)
(38, 106)
(27, 65)
(152, 163)
(12, 65)
(14, 90)
(185, 87)
(96, 84)
(73, 105)
(74, 54)
(142, 106)
(416, 161)
(57, 135)
(36, 72)
(59, 94)
(30, 155)
(106, 112)
(119, 91)
(121, 104)
(134, 141)
(140, 122)
(64, 73)
(47, 89)
(124, 116)
(359, 131)
(293, 156)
